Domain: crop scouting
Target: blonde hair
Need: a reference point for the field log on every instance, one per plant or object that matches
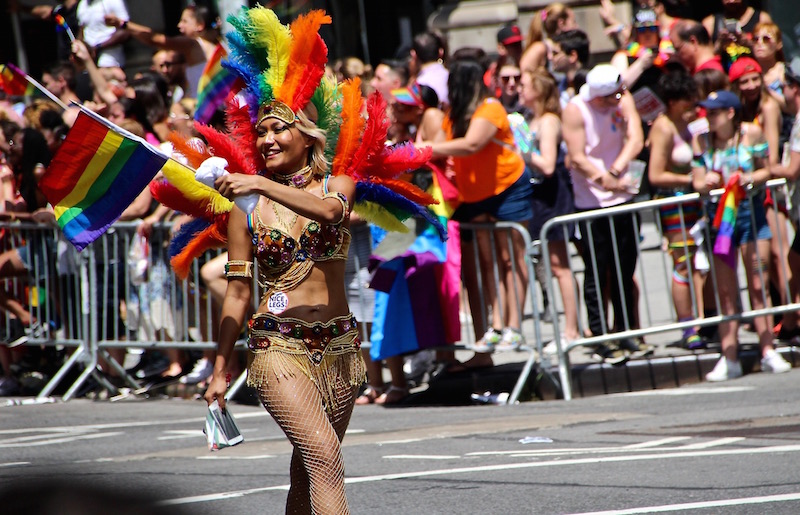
(545, 22)
(34, 111)
(316, 156)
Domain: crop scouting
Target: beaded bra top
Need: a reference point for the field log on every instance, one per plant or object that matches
(283, 261)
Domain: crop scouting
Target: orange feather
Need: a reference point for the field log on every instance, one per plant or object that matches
(306, 61)
(182, 146)
(352, 125)
(209, 238)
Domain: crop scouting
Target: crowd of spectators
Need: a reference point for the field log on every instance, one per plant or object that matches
(529, 130)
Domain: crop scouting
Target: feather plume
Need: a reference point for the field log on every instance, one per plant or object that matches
(170, 196)
(185, 234)
(374, 137)
(378, 215)
(183, 179)
(306, 61)
(251, 79)
(221, 145)
(193, 156)
(241, 130)
(275, 39)
(400, 206)
(209, 238)
(351, 128)
(407, 190)
(396, 160)
(327, 98)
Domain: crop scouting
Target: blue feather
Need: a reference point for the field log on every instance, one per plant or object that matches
(395, 202)
(185, 234)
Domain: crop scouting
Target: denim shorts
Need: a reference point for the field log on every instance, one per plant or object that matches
(744, 231)
(512, 205)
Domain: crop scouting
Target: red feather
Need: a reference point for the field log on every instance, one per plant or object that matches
(242, 131)
(167, 194)
(407, 190)
(307, 60)
(351, 128)
(395, 161)
(223, 146)
(373, 142)
(182, 146)
(210, 238)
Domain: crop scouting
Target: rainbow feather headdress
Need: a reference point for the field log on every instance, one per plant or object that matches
(282, 68)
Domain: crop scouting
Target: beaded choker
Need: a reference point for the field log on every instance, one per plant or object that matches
(298, 179)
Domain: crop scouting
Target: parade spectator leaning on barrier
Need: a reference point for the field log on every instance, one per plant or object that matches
(552, 192)
(790, 170)
(494, 185)
(670, 175)
(730, 149)
(603, 133)
(760, 108)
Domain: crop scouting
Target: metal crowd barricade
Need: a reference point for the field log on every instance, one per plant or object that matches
(530, 319)
(654, 289)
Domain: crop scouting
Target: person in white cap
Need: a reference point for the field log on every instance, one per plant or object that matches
(603, 133)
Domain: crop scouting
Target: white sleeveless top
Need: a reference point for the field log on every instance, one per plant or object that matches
(605, 137)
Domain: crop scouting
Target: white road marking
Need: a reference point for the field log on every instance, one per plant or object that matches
(656, 443)
(14, 464)
(257, 457)
(65, 439)
(712, 443)
(700, 505)
(676, 392)
(420, 457)
(392, 442)
(504, 467)
(179, 434)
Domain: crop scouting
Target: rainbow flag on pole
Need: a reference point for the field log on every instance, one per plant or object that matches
(98, 172)
(725, 220)
(214, 86)
(13, 81)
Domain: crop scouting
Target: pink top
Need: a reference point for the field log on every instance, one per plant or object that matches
(605, 137)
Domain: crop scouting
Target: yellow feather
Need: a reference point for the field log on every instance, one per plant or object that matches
(182, 177)
(378, 215)
(269, 33)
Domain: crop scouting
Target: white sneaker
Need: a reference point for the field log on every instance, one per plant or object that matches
(200, 372)
(510, 339)
(487, 344)
(725, 370)
(774, 363)
(551, 349)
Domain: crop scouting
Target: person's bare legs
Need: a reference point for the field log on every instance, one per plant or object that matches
(559, 265)
(756, 258)
(727, 285)
(513, 278)
(399, 388)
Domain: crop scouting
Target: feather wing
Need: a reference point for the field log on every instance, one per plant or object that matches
(374, 137)
(197, 242)
(182, 146)
(223, 146)
(396, 160)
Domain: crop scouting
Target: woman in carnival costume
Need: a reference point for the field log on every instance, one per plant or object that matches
(298, 147)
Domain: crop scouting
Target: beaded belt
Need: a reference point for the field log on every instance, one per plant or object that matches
(335, 336)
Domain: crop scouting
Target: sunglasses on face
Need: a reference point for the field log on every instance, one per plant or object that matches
(507, 78)
(763, 38)
(647, 28)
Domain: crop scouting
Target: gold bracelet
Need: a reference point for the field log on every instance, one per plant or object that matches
(239, 268)
(345, 204)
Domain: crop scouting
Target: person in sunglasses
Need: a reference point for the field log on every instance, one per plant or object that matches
(641, 61)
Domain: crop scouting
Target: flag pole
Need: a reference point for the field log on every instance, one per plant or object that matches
(46, 91)
(22, 59)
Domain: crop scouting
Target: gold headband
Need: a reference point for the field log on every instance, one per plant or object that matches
(276, 109)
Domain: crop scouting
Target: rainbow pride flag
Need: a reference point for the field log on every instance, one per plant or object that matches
(214, 86)
(98, 172)
(725, 220)
(13, 81)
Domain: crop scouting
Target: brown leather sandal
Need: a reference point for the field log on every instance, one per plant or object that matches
(369, 396)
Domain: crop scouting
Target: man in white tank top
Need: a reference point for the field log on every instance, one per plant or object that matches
(603, 133)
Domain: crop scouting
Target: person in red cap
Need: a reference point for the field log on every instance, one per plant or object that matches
(760, 108)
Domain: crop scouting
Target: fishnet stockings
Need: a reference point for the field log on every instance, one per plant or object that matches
(317, 469)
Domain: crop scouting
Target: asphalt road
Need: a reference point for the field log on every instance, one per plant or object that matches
(709, 448)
